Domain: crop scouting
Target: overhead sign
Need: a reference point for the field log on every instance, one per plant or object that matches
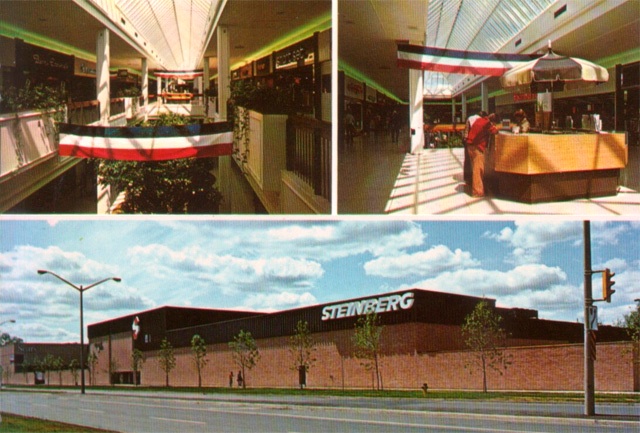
(382, 304)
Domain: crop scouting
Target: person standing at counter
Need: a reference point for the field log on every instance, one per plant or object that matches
(466, 172)
(521, 121)
(477, 140)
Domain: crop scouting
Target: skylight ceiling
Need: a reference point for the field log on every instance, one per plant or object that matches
(477, 25)
(174, 33)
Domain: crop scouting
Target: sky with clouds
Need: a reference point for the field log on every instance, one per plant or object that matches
(276, 265)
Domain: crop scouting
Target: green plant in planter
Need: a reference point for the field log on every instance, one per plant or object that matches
(247, 95)
(49, 100)
(38, 97)
(164, 187)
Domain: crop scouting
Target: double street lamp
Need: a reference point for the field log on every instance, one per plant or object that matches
(80, 289)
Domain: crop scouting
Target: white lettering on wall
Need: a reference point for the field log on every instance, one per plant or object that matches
(383, 304)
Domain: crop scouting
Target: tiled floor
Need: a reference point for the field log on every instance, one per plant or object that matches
(376, 176)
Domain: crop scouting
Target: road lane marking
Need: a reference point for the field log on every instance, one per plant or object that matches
(321, 418)
(184, 421)
(92, 410)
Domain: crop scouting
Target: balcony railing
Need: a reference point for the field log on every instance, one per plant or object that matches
(83, 113)
(309, 152)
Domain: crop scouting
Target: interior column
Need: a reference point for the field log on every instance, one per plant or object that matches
(145, 84)
(484, 91)
(224, 91)
(102, 76)
(416, 119)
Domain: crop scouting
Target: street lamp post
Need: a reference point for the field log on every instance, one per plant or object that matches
(80, 289)
(7, 321)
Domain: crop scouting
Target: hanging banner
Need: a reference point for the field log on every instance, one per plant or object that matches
(459, 62)
(183, 75)
(158, 143)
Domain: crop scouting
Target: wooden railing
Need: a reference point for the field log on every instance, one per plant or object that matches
(117, 106)
(83, 113)
(309, 152)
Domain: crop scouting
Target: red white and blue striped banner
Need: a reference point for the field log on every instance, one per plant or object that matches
(158, 143)
(184, 75)
(459, 62)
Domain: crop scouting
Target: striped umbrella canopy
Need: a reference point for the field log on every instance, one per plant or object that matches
(553, 72)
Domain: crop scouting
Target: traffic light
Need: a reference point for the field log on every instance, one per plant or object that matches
(607, 283)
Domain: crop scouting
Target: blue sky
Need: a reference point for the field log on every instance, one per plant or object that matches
(274, 265)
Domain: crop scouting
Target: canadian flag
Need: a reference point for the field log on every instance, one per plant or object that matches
(135, 327)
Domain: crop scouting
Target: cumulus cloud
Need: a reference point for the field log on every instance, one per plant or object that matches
(494, 283)
(530, 238)
(434, 260)
(227, 272)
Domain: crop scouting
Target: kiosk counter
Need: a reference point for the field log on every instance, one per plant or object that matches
(543, 167)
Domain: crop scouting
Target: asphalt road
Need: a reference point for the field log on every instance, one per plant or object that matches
(135, 412)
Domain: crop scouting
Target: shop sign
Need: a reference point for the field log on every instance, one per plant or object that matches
(524, 97)
(31, 58)
(246, 71)
(353, 88)
(263, 66)
(382, 304)
(296, 55)
(84, 68)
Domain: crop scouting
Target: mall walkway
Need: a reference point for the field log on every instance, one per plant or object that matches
(376, 176)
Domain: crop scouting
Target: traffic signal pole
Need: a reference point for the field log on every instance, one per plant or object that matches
(589, 344)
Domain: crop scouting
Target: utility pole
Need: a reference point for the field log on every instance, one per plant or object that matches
(589, 344)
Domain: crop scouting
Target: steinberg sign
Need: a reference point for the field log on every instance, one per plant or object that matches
(383, 304)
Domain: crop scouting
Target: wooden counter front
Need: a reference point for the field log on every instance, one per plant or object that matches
(549, 167)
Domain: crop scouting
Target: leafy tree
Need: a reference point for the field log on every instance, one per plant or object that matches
(47, 364)
(74, 367)
(26, 367)
(6, 339)
(631, 322)
(92, 360)
(57, 364)
(137, 359)
(367, 342)
(164, 187)
(167, 359)
(199, 352)
(245, 353)
(301, 348)
(485, 336)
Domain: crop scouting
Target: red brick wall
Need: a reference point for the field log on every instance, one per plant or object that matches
(411, 358)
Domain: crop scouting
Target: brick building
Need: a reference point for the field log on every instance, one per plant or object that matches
(22, 363)
(421, 342)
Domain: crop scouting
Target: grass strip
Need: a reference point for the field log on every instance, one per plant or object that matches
(24, 424)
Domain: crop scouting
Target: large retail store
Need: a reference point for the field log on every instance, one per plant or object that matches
(421, 343)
